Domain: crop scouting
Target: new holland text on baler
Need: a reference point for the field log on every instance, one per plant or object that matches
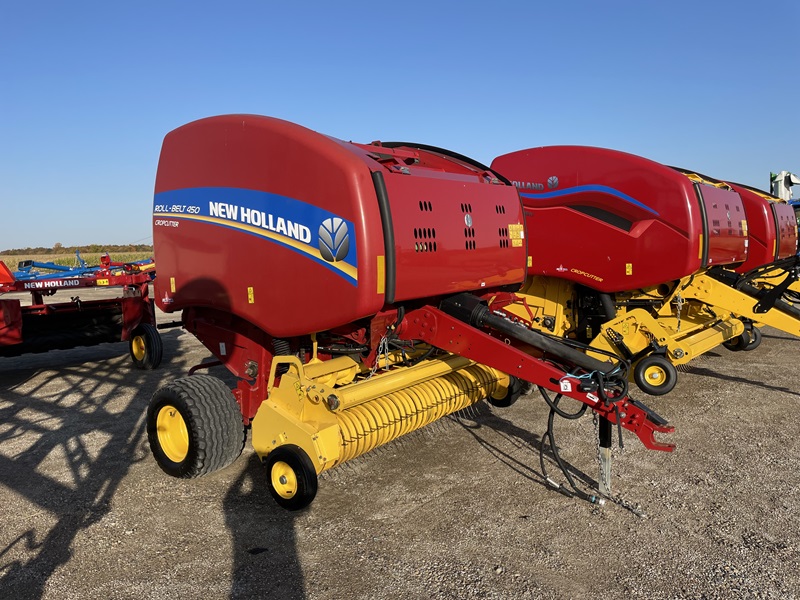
(346, 287)
(654, 286)
(41, 326)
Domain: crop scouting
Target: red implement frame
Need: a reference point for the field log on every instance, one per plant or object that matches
(448, 333)
(41, 326)
(235, 345)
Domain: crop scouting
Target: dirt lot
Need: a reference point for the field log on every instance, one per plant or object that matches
(458, 511)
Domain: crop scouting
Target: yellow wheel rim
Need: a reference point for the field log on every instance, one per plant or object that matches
(284, 480)
(172, 434)
(655, 375)
(138, 347)
(503, 388)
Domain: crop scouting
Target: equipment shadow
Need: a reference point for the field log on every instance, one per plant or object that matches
(72, 426)
(703, 372)
(482, 415)
(265, 563)
(772, 336)
(54, 402)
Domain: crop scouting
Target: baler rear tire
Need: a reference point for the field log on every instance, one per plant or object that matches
(515, 389)
(655, 375)
(195, 427)
(146, 347)
(291, 477)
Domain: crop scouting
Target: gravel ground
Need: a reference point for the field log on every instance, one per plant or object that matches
(459, 510)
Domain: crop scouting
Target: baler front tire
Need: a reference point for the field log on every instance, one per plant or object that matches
(655, 375)
(194, 426)
(291, 477)
(146, 347)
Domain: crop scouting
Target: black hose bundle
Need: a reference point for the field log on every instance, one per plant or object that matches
(549, 435)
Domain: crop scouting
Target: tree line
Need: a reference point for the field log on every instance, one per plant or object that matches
(88, 249)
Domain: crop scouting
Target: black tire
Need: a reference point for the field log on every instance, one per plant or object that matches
(655, 375)
(515, 389)
(755, 340)
(735, 344)
(291, 477)
(194, 426)
(145, 346)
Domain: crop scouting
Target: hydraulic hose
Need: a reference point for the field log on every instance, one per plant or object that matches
(550, 437)
(608, 306)
(553, 404)
(472, 310)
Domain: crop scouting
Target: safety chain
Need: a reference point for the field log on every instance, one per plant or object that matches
(615, 498)
(383, 349)
(679, 302)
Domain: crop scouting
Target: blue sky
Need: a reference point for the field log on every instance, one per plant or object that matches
(89, 89)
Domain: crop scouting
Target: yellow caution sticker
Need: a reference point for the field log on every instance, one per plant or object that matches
(102, 282)
(516, 243)
(251, 297)
(530, 261)
(516, 231)
(628, 268)
(381, 274)
(172, 284)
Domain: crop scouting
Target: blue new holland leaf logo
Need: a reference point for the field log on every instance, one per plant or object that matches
(334, 239)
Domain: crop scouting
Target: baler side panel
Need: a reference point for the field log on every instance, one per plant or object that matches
(772, 226)
(727, 225)
(787, 230)
(603, 256)
(761, 228)
(649, 220)
(267, 220)
(454, 235)
(638, 222)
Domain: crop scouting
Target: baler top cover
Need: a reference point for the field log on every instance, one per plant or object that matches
(298, 232)
(639, 223)
(772, 227)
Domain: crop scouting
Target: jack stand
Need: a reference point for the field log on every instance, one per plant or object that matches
(604, 456)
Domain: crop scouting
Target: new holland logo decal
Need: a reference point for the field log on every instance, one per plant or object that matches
(334, 239)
